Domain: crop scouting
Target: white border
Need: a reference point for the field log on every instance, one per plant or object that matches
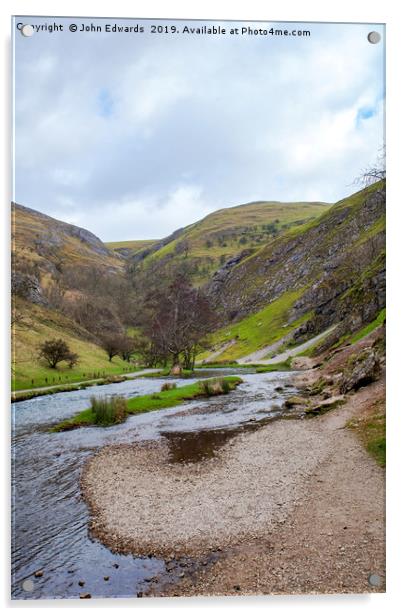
(387, 12)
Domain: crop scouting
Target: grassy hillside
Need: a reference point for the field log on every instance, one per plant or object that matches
(326, 271)
(39, 324)
(206, 245)
(257, 330)
(129, 248)
(46, 245)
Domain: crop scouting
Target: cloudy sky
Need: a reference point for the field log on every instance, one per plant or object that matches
(134, 135)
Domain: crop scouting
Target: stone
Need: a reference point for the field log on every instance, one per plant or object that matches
(38, 574)
(85, 595)
(303, 363)
(295, 400)
(361, 370)
(326, 405)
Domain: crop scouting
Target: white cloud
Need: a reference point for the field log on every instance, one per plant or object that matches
(198, 123)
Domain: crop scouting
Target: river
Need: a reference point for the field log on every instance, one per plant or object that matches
(49, 517)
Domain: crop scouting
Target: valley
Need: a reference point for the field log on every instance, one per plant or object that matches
(247, 349)
(270, 272)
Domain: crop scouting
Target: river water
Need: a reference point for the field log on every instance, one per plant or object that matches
(49, 517)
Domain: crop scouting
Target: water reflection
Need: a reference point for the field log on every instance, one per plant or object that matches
(49, 517)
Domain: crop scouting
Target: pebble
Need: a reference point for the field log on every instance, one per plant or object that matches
(85, 595)
(39, 573)
(106, 578)
(81, 583)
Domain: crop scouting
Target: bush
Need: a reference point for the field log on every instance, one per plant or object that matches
(215, 387)
(226, 387)
(168, 386)
(108, 411)
(206, 388)
(56, 350)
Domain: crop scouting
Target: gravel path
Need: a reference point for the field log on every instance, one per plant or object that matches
(258, 355)
(88, 382)
(297, 506)
(332, 541)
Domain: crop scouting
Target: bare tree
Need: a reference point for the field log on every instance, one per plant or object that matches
(55, 351)
(111, 344)
(375, 172)
(17, 318)
(72, 359)
(182, 248)
(180, 319)
(127, 347)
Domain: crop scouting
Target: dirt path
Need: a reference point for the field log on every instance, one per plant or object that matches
(297, 506)
(258, 355)
(331, 542)
(218, 352)
(88, 382)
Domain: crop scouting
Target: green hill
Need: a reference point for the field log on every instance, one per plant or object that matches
(129, 248)
(276, 273)
(37, 324)
(208, 244)
(328, 271)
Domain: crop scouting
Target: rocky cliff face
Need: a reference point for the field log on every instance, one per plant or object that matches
(42, 246)
(337, 261)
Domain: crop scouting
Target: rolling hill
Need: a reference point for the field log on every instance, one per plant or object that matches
(42, 246)
(328, 271)
(43, 249)
(209, 243)
(129, 248)
(276, 274)
(38, 323)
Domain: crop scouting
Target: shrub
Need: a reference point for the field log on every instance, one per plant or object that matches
(225, 386)
(168, 386)
(108, 411)
(206, 387)
(215, 387)
(56, 350)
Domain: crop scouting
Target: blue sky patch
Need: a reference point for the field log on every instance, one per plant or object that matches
(105, 103)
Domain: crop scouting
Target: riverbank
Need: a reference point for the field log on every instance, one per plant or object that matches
(294, 507)
(331, 541)
(166, 398)
(297, 506)
(27, 394)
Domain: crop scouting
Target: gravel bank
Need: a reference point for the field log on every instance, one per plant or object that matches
(333, 540)
(142, 503)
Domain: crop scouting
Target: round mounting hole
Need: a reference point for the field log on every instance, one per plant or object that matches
(374, 580)
(374, 37)
(27, 30)
(28, 585)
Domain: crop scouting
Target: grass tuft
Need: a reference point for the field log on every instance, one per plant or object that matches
(371, 431)
(168, 386)
(108, 411)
